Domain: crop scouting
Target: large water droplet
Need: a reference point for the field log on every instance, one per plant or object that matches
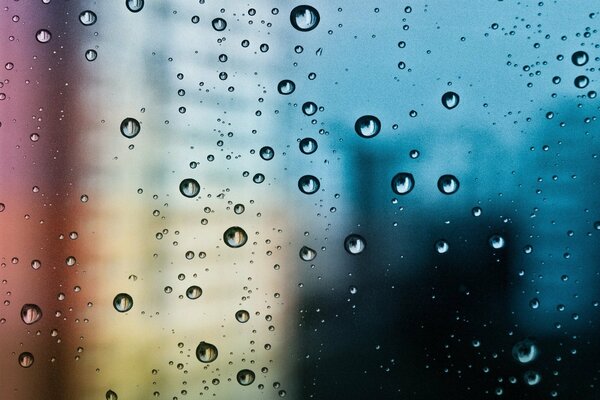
(122, 302)
(88, 17)
(580, 58)
(110, 395)
(450, 100)
(308, 145)
(534, 303)
(31, 313)
(307, 254)
(403, 183)
(235, 237)
(286, 87)
(43, 36)
(308, 184)
(91, 54)
(448, 184)
(581, 81)
(134, 5)
(193, 292)
(525, 351)
(219, 24)
(532, 378)
(26, 359)
(304, 18)
(130, 127)
(355, 244)
(242, 316)
(206, 352)
(189, 187)
(245, 377)
(266, 153)
(367, 126)
(441, 246)
(309, 108)
(497, 241)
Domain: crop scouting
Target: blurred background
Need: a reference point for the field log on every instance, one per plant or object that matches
(342, 199)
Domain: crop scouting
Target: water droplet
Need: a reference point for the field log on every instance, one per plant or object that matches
(245, 377)
(450, 100)
(239, 208)
(525, 351)
(532, 378)
(355, 244)
(476, 211)
(193, 292)
(206, 352)
(286, 87)
(304, 18)
(189, 187)
(219, 24)
(36, 264)
(87, 18)
(581, 81)
(403, 183)
(579, 58)
(308, 184)
(497, 241)
(266, 153)
(448, 184)
(367, 126)
(26, 359)
(307, 254)
(441, 246)
(31, 313)
(43, 36)
(134, 5)
(534, 303)
(309, 108)
(123, 302)
(130, 127)
(91, 54)
(235, 237)
(308, 145)
(242, 316)
(110, 395)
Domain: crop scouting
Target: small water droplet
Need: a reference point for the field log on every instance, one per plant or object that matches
(36, 264)
(450, 100)
(441, 246)
(43, 36)
(307, 254)
(367, 126)
(532, 378)
(242, 316)
(534, 303)
(26, 359)
(579, 58)
(193, 292)
(239, 209)
(448, 184)
(235, 237)
(31, 313)
(266, 153)
(308, 184)
(304, 18)
(355, 244)
(122, 302)
(91, 54)
(88, 17)
(525, 351)
(130, 127)
(309, 108)
(286, 87)
(497, 241)
(189, 187)
(403, 183)
(110, 395)
(245, 377)
(206, 352)
(308, 145)
(219, 24)
(581, 81)
(134, 5)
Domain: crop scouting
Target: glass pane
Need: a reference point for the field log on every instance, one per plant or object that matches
(264, 200)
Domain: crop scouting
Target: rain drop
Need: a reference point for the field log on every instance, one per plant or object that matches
(525, 351)
(134, 5)
(448, 184)
(367, 126)
(235, 237)
(534, 303)
(193, 292)
(304, 18)
(355, 244)
(308, 184)
(308, 145)
(581, 81)
(91, 55)
(579, 58)
(450, 100)
(266, 153)
(307, 254)
(87, 18)
(532, 378)
(189, 187)
(497, 241)
(242, 316)
(130, 127)
(441, 246)
(110, 395)
(219, 24)
(286, 87)
(31, 313)
(26, 359)
(239, 208)
(245, 377)
(206, 352)
(309, 108)
(403, 183)
(123, 302)
(43, 36)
